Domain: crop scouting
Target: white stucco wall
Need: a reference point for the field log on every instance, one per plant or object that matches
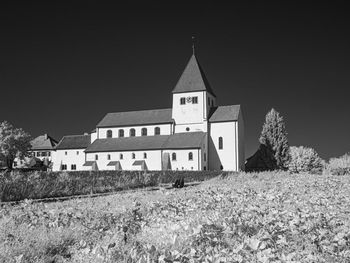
(93, 136)
(165, 129)
(189, 112)
(182, 162)
(73, 156)
(153, 160)
(228, 156)
(192, 127)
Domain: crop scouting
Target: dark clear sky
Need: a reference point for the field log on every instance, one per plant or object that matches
(64, 66)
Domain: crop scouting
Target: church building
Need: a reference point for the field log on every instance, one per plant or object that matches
(194, 134)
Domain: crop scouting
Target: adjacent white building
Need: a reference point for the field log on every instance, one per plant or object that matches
(195, 134)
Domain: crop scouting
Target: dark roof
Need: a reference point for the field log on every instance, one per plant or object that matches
(74, 142)
(224, 113)
(187, 140)
(88, 163)
(43, 142)
(193, 79)
(131, 118)
(139, 162)
(113, 163)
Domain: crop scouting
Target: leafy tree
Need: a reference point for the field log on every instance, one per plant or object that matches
(14, 142)
(274, 138)
(304, 159)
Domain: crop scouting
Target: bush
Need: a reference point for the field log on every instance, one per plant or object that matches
(18, 186)
(304, 159)
(340, 165)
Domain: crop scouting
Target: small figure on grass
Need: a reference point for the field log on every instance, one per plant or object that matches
(179, 183)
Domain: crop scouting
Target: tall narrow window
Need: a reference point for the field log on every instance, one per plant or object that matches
(121, 133)
(190, 156)
(108, 156)
(144, 132)
(144, 155)
(121, 156)
(173, 156)
(182, 101)
(221, 143)
(205, 157)
(133, 156)
(156, 131)
(96, 157)
(194, 100)
(132, 132)
(49, 154)
(109, 134)
(73, 167)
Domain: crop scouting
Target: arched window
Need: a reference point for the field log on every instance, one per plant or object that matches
(109, 134)
(133, 156)
(132, 132)
(121, 133)
(96, 157)
(144, 132)
(121, 156)
(156, 131)
(221, 143)
(173, 156)
(144, 155)
(108, 157)
(190, 156)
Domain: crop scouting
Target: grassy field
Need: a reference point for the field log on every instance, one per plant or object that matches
(266, 217)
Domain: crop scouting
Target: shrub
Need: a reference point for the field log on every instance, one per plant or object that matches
(18, 186)
(304, 159)
(340, 165)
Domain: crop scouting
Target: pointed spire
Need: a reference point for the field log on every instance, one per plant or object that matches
(193, 79)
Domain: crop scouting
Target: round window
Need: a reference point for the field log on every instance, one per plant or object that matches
(187, 129)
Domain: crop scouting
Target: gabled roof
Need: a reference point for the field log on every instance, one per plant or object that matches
(89, 163)
(193, 79)
(131, 118)
(43, 142)
(139, 162)
(74, 142)
(189, 140)
(113, 163)
(224, 113)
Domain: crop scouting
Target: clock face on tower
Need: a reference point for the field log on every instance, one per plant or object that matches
(188, 99)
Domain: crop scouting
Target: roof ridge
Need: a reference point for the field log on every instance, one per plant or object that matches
(139, 110)
(76, 135)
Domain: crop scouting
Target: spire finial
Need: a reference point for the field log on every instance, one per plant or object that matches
(193, 47)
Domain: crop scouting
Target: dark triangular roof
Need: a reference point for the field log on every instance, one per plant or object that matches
(74, 142)
(43, 142)
(188, 140)
(193, 79)
(130, 118)
(224, 113)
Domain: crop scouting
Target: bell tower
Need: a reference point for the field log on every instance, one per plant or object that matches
(192, 99)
